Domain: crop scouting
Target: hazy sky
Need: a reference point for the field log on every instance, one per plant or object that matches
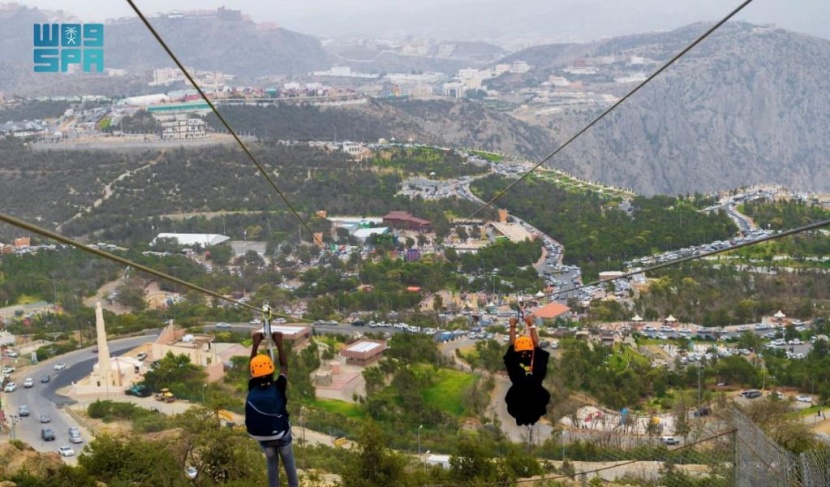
(477, 19)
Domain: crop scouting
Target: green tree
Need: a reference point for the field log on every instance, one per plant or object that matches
(131, 461)
(375, 465)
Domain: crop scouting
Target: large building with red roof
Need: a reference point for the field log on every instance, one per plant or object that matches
(402, 219)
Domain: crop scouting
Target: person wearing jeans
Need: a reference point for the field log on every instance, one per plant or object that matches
(273, 451)
(262, 377)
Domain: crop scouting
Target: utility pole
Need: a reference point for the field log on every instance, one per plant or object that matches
(419, 444)
(699, 366)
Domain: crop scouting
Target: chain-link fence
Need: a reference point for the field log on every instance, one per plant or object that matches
(760, 462)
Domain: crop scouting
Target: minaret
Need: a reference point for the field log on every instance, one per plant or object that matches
(104, 367)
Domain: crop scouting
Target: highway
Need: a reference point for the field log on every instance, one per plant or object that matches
(44, 399)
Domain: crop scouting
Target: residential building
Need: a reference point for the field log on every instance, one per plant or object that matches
(364, 352)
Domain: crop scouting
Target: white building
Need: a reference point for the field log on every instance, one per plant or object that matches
(188, 239)
(519, 67)
(179, 127)
(454, 89)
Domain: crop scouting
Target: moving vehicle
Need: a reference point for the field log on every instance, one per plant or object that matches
(23, 411)
(45, 379)
(66, 451)
(223, 325)
(60, 366)
(29, 382)
(75, 436)
(45, 419)
(669, 440)
(46, 434)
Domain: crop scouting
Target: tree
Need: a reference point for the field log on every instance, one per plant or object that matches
(437, 303)
(681, 416)
(375, 465)
(131, 294)
(178, 374)
(131, 461)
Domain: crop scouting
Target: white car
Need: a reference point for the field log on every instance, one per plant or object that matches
(804, 398)
(29, 382)
(66, 451)
(10, 387)
(8, 370)
(60, 366)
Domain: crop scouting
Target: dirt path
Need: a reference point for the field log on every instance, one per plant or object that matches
(102, 296)
(108, 190)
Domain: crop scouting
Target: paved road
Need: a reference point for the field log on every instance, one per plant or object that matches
(44, 399)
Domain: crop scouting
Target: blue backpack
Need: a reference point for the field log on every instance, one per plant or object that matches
(265, 416)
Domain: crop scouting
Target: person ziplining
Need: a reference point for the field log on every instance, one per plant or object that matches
(526, 364)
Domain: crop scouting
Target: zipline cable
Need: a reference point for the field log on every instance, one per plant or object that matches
(613, 107)
(121, 260)
(222, 119)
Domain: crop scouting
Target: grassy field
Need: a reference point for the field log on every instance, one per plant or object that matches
(487, 155)
(347, 409)
(449, 390)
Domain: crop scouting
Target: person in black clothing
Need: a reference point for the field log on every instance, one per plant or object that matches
(526, 365)
(262, 375)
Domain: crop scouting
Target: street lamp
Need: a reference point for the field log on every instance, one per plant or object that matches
(419, 442)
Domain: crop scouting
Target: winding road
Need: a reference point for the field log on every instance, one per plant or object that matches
(45, 399)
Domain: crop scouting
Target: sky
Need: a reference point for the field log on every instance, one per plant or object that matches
(573, 20)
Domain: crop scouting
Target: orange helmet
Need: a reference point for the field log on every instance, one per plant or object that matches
(261, 365)
(523, 344)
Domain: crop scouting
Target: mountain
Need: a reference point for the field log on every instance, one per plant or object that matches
(748, 105)
(457, 123)
(214, 43)
(217, 41)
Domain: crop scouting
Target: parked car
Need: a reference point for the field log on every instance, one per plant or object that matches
(23, 411)
(10, 387)
(139, 390)
(8, 370)
(141, 356)
(46, 434)
(66, 451)
(29, 382)
(669, 440)
(804, 398)
(751, 394)
(704, 411)
(223, 325)
(60, 366)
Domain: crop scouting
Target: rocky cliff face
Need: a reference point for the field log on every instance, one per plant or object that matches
(749, 105)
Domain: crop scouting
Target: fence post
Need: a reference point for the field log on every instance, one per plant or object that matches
(584, 480)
